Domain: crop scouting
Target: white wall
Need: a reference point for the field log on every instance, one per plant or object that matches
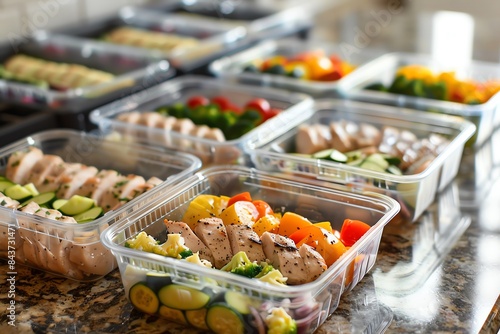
(21, 17)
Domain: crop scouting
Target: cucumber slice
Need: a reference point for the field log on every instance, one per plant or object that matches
(77, 204)
(392, 160)
(89, 215)
(156, 281)
(323, 154)
(32, 189)
(372, 166)
(183, 297)
(58, 203)
(394, 170)
(143, 298)
(224, 319)
(18, 192)
(238, 301)
(44, 199)
(356, 162)
(378, 159)
(5, 184)
(338, 156)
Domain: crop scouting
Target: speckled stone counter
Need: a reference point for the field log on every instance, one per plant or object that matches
(438, 275)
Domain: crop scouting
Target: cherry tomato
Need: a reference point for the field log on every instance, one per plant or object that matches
(263, 208)
(196, 101)
(244, 196)
(352, 231)
(222, 102)
(261, 105)
(271, 113)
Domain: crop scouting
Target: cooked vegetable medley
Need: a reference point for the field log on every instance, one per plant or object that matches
(313, 65)
(420, 81)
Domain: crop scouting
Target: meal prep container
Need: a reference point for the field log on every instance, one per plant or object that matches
(485, 116)
(215, 38)
(295, 109)
(309, 304)
(427, 243)
(17, 122)
(415, 192)
(133, 72)
(75, 251)
(232, 67)
(262, 19)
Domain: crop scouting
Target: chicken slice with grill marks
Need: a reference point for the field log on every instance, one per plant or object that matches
(243, 238)
(190, 239)
(213, 234)
(284, 255)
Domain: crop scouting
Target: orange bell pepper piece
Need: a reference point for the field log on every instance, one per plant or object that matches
(292, 222)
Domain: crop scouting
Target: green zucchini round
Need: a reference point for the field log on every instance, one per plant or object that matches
(223, 319)
(183, 297)
(143, 298)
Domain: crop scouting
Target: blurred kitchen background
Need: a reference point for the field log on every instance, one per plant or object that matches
(456, 30)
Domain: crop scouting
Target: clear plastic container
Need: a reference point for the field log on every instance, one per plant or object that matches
(75, 251)
(308, 304)
(415, 192)
(485, 116)
(213, 38)
(428, 242)
(133, 72)
(232, 67)
(295, 108)
(262, 19)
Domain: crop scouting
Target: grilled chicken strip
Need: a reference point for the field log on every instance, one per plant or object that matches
(8, 202)
(42, 169)
(20, 164)
(213, 234)
(74, 180)
(190, 239)
(285, 256)
(243, 238)
(313, 262)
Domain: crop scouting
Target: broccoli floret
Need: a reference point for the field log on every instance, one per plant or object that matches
(240, 264)
(185, 253)
(174, 246)
(266, 269)
(280, 322)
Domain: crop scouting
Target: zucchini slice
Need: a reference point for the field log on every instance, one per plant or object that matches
(323, 154)
(76, 205)
(236, 300)
(143, 298)
(89, 215)
(58, 203)
(44, 200)
(32, 189)
(172, 314)
(183, 297)
(4, 184)
(196, 318)
(18, 192)
(223, 319)
(156, 281)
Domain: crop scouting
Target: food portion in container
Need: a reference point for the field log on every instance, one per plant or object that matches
(313, 65)
(44, 185)
(137, 37)
(421, 81)
(386, 149)
(243, 236)
(217, 118)
(51, 75)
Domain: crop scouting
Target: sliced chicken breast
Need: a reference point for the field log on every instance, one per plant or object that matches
(212, 233)
(313, 262)
(191, 240)
(95, 187)
(8, 202)
(284, 255)
(43, 168)
(70, 183)
(20, 164)
(243, 238)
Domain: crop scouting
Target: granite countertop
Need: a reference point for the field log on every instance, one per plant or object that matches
(439, 274)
